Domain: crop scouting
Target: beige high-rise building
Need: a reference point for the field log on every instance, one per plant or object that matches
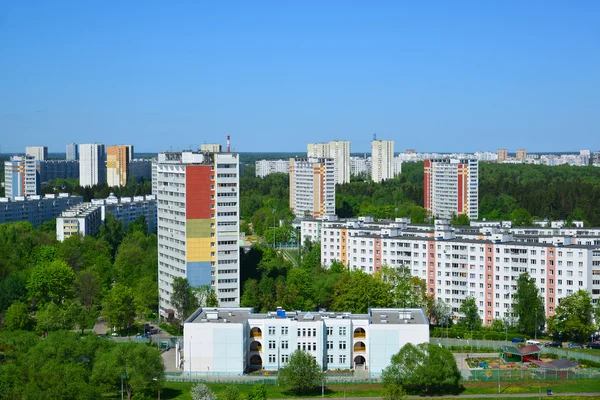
(312, 187)
(117, 165)
(382, 160)
(339, 151)
(502, 155)
(521, 154)
(39, 152)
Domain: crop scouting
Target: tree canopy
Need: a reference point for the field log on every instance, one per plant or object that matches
(302, 374)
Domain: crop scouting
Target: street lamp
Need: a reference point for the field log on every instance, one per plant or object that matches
(274, 242)
(158, 384)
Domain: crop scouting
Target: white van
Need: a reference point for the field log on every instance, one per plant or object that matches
(533, 342)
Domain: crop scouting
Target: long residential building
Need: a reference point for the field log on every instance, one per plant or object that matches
(92, 164)
(198, 224)
(382, 160)
(237, 340)
(129, 209)
(483, 261)
(312, 187)
(22, 176)
(83, 219)
(339, 151)
(51, 170)
(36, 209)
(268, 167)
(451, 187)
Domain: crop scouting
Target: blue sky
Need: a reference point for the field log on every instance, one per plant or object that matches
(434, 76)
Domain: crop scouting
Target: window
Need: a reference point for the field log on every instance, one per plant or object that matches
(285, 358)
(330, 345)
(329, 330)
(342, 359)
(272, 344)
(284, 330)
(330, 358)
(342, 345)
(271, 330)
(284, 344)
(342, 331)
(272, 358)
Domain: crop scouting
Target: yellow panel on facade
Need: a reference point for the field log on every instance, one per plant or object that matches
(198, 249)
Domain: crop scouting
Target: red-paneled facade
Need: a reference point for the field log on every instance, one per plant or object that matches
(199, 186)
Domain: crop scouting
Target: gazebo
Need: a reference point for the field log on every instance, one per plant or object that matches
(520, 354)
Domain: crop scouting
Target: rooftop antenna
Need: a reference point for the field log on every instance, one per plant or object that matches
(374, 136)
(228, 144)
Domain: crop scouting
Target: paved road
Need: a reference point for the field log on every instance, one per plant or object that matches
(475, 396)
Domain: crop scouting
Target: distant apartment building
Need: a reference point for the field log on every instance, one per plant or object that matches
(360, 166)
(198, 223)
(155, 176)
(502, 155)
(92, 164)
(397, 166)
(50, 170)
(22, 176)
(141, 169)
(40, 153)
(382, 160)
(83, 219)
(268, 167)
(339, 151)
(451, 187)
(72, 153)
(129, 209)
(521, 154)
(36, 209)
(312, 187)
(117, 165)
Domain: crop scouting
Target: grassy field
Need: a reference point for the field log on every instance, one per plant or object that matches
(180, 391)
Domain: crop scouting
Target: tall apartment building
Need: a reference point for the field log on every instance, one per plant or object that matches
(312, 187)
(360, 165)
(92, 164)
(382, 160)
(198, 224)
(482, 261)
(521, 154)
(22, 176)
(268, 167)
(339, 150)
(117, 165)
(54, 169)
(72, 153)
(451, 187)
(40, 153)
(36, 209)
(502, 155)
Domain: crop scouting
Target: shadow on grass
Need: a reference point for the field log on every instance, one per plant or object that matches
(438, 390)
(316, 391)
(170, 393)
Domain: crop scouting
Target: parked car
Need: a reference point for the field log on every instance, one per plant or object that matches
(593, 345)
(554, 344)
(575, 346)
(518, 340)
(529, 342)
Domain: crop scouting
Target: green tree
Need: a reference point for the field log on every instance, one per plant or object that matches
(111, 231)
(87, 288)
(17, 317)
(357, 291)
(141, 365)
(258, 392)
(528, 305)
(118, 307)
(183, 299)
(302, 374)
(521, 217)
(461, 220)
(48, 318)
(408, 291)
(424, 368)
(12, 289)
(202, 392)
(51, 282)
(206, 296)
(231, 392)
(441, 313)
(574, 317)
(498, 325)
(471, 312)
(393, 391)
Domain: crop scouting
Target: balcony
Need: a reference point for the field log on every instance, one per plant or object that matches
(359, 333)
(360, 347)
(255, 333)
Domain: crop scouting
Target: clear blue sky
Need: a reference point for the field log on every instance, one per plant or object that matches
(434, 76)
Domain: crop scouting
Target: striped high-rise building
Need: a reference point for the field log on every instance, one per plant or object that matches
(339, 151)
(451, 187)
(198, 224)
(312, 187)
(22, 176)
(117, 164)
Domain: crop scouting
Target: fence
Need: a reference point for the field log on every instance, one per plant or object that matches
(517, 374)
(252, 379)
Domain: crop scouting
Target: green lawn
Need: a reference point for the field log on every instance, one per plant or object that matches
(178, 390)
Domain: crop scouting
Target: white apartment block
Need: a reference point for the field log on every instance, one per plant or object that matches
(451, 187)
(40, 153)
(92, 164)
(237, 340)
(129, 209)
(36, 209)
(72, 153)
(267, 167)
(360, 165)
(312, 187)
(198, 224)
(382, 160)
(480, 261)
(83, 219)
(339, 151)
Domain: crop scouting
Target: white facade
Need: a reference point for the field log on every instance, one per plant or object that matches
(36, 209)
(382, 160)
(40, 153)
(72, 154)
(198, 224)
(339, 151)
(236, 340)
(267, 167)
(312, 187)
(310, 229)
(83, 219)
(483, 261)
(92, 164)
(129, 209)
(360, 165)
